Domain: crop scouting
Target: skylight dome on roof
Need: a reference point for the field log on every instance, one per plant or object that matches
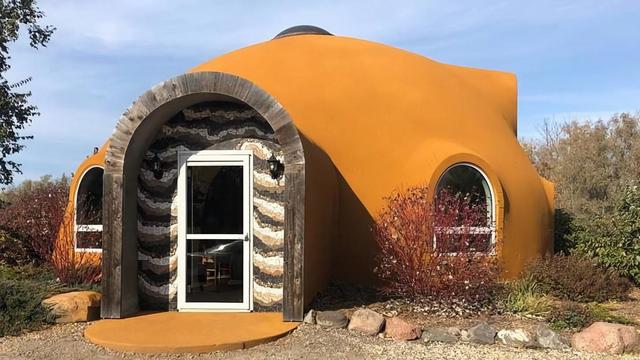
(302, 30)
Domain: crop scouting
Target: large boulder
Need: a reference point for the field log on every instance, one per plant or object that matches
(516, 338)
(482, 333)
(438, 334)
(400, 329)
(75, 306)
(367, 322)
(550, 339)
(605, 337)
(332, 319)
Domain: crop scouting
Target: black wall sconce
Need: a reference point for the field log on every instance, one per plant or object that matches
(276, 168)
(156, 167)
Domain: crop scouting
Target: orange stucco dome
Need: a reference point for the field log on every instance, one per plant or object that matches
(388, 118)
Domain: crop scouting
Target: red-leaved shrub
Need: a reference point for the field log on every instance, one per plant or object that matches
(36, 214)
(436, 250)
(74, 267)
(577, 278)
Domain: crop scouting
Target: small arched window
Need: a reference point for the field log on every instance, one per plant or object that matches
(88, 214)
(465, 216)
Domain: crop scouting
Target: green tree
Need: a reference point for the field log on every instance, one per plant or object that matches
(596, 169)
(614, 239)
(15, 110)
(591, 163)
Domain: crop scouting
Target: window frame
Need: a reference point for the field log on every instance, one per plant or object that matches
(84, 228)
(492, 209)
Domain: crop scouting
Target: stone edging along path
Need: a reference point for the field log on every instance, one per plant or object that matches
(599, 337)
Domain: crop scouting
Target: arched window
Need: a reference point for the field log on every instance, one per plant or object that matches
(88, 216)
(465, 215)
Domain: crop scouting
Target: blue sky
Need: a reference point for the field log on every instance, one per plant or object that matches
(573, 59)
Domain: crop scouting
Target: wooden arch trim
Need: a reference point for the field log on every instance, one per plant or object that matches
(119, 257)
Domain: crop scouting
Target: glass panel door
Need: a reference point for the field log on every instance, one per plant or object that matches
(214, 240)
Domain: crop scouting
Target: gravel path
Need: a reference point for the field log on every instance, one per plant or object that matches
(308, 342)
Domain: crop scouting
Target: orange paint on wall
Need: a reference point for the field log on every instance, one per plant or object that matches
(67, 231)
(388, 119)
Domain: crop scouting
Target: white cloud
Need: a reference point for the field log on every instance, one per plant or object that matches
(136, 26)
(105, 53)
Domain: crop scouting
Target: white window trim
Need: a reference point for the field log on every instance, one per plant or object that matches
(83, 228)
(474, 229)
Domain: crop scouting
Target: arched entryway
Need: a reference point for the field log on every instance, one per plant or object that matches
(129, 142)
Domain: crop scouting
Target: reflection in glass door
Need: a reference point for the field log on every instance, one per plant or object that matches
(214, 244)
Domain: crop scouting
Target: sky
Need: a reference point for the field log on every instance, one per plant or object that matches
(574, 60)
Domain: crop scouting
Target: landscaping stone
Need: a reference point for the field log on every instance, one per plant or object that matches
(310, 318)
(75, 306)
(367, 322)
(482, 333)
(605, 337)
(400, 329)
(550, 339)
(444, 335)
(332, 319)
(518, 338)
(464, 335)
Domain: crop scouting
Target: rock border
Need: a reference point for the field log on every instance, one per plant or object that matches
(369, 322)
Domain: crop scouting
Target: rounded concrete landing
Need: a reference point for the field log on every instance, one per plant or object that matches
(188, 331)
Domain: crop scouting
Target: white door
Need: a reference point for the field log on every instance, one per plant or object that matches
(214, 230)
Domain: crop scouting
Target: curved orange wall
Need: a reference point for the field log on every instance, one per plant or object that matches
(389, 119)
(66, 233)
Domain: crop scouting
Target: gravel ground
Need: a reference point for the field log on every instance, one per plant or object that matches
(308, 342)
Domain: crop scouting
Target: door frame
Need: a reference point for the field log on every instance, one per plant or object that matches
(214, 157)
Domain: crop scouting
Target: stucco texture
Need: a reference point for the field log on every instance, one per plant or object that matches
(388, 119)
(66, 234)
(375, 119)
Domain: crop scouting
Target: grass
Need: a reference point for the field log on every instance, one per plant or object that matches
(524, 297)
(569, 315)
(572, 315)
(601, 313)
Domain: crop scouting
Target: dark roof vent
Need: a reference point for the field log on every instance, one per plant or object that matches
(302, 30)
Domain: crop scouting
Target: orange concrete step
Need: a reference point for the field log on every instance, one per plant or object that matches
(190, 332)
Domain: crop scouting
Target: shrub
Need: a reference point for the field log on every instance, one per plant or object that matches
(33, 213)
(576, 316)
(564, 227)
(570, 316)
(613, 240)
(21, 306)
(524, 296)
(421, 258)
(71, 267)
(76, 269)
(27, 272)
(600, 313)
(22, 289)
(576, 278)
(13, 250)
